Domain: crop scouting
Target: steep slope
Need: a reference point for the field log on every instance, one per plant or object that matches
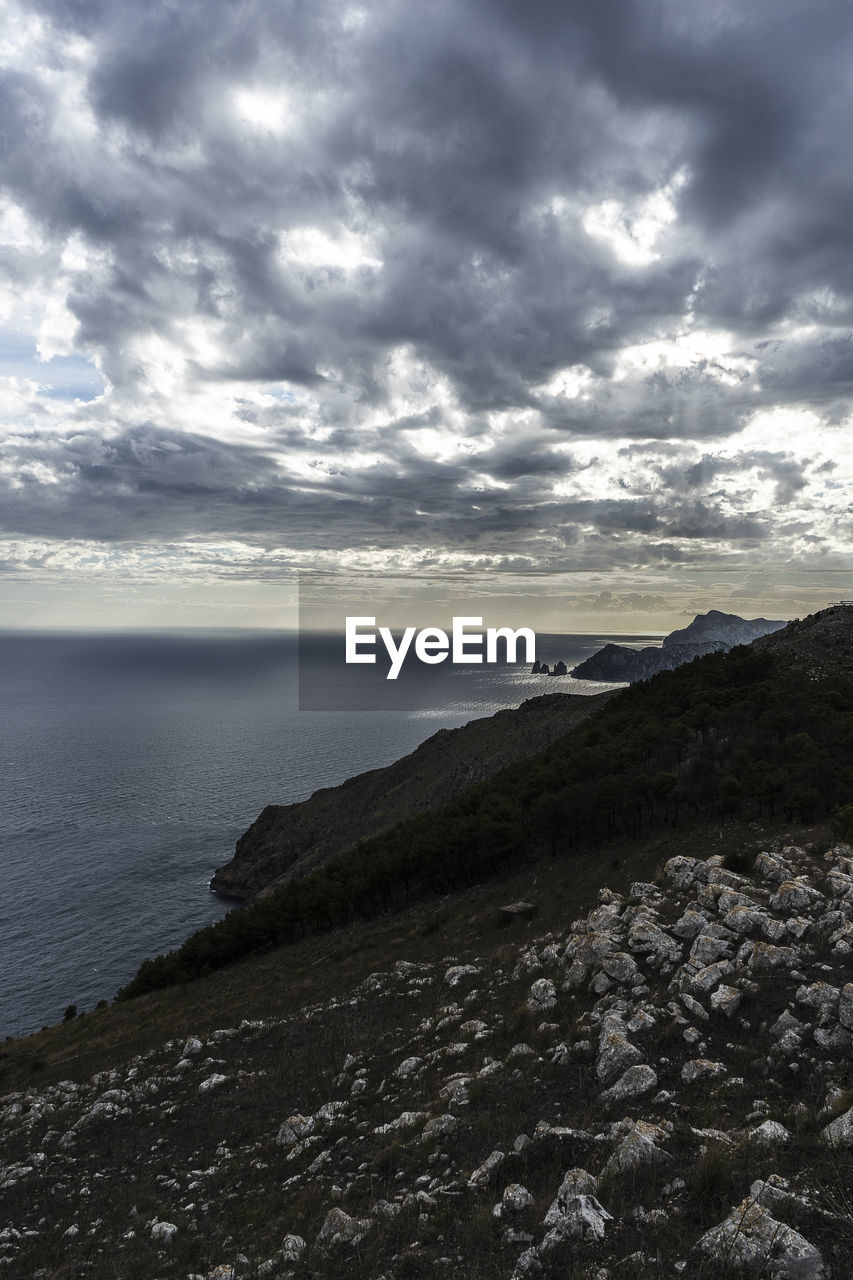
(742, 735)
(287, 841)
(711, 632)
(659, 1087)
(820, 645)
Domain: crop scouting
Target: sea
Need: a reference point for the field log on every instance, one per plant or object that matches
(131, 763)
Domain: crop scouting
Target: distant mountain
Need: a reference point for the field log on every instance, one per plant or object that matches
(710, 632)
(727, 628)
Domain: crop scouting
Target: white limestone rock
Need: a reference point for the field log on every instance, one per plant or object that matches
(647, 938)
(575, 1213)
(845, 1006)
(634, 1083)
(164, 1232)
(702, 1069)
(747, 918)
(339, 1228)
(689, 925)
(292, 1248)
(294, 1129)
(440, 1127)
(408, 1067)
(818, 995)
(726, 1000)
(487, 1171)
(638, 1147)
(459, 972)
(615, 1053)
(772, 867)
(684, 872)
(620, 966)
(769, 1134)
(771, 1193)
(515, 1199)
(708, 978)
(528, 1265)
(212, 1082)
(765, 956)
(795, 895)
(752, 1238)
(543, 996)
(839, 1132)
(405, 1120)
(706, 949)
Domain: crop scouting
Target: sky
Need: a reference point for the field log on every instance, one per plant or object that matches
(551, 297)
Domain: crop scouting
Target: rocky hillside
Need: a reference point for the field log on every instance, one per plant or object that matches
(287, 841)
(821, 644)
(711, 632)
(659, 1088)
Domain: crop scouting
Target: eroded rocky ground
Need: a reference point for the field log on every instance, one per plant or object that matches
(662, 1090)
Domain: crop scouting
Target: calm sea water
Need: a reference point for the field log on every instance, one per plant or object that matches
(129, 766)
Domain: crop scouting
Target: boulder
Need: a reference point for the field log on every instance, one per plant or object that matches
(750, 1237)
(702, 1069)
(574, 1212)
(292, 1248)
(845, 1006)
(839, 1132)
(294, 1129)
(615, 1053)
(769, 1134)
(637, 1148)
(543, 996)
(339, 1228)
(726, 1000)
(634, 1083)
(515, 1199)
(487, 1171)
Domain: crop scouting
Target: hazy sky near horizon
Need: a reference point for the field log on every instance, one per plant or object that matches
(466, 287)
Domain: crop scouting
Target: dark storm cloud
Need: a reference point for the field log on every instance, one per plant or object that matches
(787, 473)
(465, 145)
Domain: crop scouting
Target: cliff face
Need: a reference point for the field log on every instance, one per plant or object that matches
(619, 662)
(707, 633)
(288, 841)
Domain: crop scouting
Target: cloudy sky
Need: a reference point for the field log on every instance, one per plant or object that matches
(561, 292)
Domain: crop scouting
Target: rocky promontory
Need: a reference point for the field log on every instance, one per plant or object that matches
(710, 632)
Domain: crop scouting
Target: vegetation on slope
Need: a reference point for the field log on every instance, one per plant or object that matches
(731, 735)
(287, 842)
